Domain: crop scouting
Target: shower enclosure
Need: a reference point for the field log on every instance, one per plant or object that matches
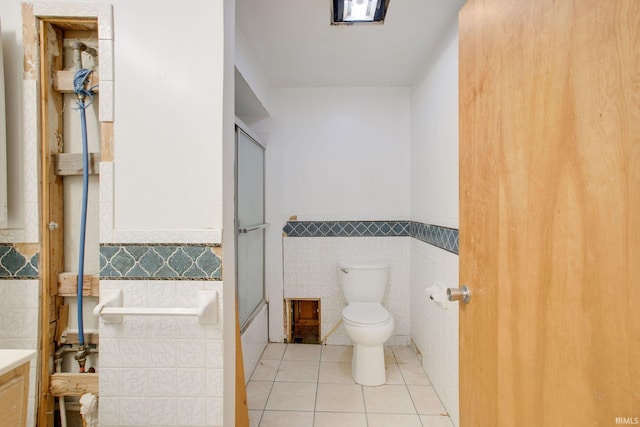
(250, 222)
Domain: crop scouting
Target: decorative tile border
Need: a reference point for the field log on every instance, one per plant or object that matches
(346, 228)
(160, 262)
(442, 237)
(14, 264)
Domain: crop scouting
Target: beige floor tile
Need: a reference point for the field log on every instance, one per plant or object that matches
(339, 398)
(395, 420)
(287, 396)
(254, 418)
(286, 419)
(298, 371)
(390, 399)
(257, 394)
(337, 353)
(265, 370)
(339, 419)
(435, 421)
(413, 374)
(336, 373)
(388, 355)
(405, 354)
(274, 351)
(394, 376)
(308, 352)
(426, 400)
(294, 396)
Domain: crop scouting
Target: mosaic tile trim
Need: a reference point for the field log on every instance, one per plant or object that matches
(16, 265)
(346, 228)
(442, 237)
(160, 262)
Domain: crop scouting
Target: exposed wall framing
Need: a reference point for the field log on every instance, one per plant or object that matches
(45, 82)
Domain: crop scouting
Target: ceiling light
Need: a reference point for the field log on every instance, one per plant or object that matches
(358, 11)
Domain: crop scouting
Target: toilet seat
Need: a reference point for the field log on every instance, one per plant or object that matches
(365, 314)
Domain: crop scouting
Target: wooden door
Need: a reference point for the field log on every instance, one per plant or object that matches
(550, 212)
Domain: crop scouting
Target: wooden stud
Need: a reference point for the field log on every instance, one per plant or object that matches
(72, 338)
(52, 259)
(106, 141)
(63, 321)
(63, 81)
(69, 164)
(68, 285)
(73, 384)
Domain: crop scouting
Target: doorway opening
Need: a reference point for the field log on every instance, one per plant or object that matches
(303, 321)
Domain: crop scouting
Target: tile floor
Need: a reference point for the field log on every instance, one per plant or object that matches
(306, 385)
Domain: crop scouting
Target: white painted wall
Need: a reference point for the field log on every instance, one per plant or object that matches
(168, 69)
(251, 70)
(434, 136)
(332, 154)
(434, 200)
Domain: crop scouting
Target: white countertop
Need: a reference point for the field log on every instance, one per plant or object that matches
(11, 359)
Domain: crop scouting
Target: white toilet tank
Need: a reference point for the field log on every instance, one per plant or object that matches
(363, 282)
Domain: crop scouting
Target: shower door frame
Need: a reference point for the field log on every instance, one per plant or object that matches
(244, 323)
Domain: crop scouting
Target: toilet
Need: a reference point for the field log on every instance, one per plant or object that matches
(368, 324)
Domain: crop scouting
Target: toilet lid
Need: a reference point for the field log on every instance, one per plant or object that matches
(366, 313)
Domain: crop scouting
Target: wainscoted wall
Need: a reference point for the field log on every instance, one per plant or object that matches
(313, 248)
(19, 323)
(161, 370)
(310, 272)
(19, 290)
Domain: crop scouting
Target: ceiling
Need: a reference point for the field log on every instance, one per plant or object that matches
(297, 47)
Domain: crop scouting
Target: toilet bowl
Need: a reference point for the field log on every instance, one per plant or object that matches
(367, 323)
(369, 326)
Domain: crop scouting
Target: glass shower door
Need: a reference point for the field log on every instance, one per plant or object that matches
(250, 226)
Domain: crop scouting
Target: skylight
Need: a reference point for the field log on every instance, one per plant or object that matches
(359, 11)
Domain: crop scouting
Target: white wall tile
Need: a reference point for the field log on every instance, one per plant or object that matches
(190, 411)
(190, 353)
(310, 272)
(135, 353)
(143, 359)
(161, 327)
(133, 411)
(133, 382)
(109, 413)
(161, 354)
(161, 382)
(213, 354)
(214, 412)
(191, 382)
(162, 411)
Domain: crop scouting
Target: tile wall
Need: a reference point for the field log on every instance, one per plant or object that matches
(313, 248)
(161, 370)
(19, 323)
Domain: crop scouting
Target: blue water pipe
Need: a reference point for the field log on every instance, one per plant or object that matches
(79, 84)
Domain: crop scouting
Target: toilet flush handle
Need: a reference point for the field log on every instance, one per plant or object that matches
(463, 294)
(344, 270)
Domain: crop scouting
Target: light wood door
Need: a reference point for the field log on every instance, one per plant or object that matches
(550, 212)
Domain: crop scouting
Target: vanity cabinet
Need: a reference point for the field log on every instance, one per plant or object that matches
(14, 387)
